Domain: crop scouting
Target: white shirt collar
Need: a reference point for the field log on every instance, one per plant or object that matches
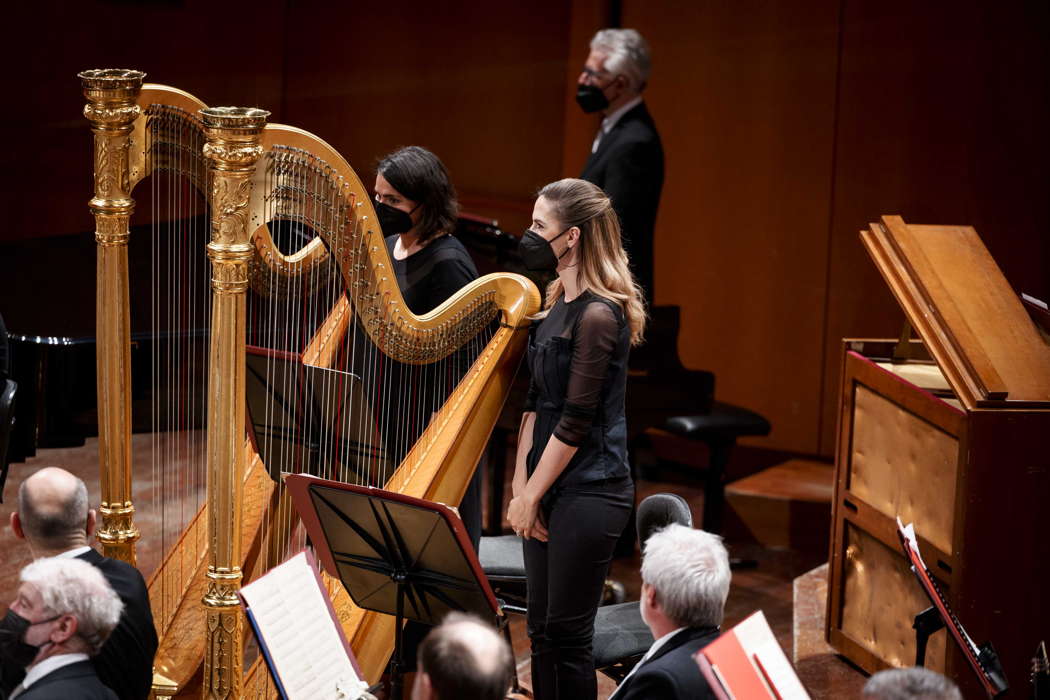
(50, 665)
(610, 120)
(648, 655)
(69, 554)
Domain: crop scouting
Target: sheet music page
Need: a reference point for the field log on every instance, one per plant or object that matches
(299, 632)
(757, 640)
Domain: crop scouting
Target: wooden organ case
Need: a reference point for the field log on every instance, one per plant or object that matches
(947, 431)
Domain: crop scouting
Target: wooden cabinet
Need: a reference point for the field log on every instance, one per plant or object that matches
(948, 431)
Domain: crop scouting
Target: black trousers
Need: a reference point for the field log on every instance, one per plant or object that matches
(565, 576)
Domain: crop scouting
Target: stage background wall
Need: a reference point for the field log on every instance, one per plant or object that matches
(787, 127)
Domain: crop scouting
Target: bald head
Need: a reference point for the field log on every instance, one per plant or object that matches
(465, 658)
(53, 510)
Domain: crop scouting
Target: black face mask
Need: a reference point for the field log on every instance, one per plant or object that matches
(591, 98)
(13, 647)
(393, 220)
(536, 252)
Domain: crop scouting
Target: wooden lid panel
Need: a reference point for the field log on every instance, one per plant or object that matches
(956, 297)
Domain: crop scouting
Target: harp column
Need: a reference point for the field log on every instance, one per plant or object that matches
(112, 110)
(233, 147)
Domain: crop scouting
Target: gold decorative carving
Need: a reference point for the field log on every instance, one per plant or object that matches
(112, 116)
(223, 657)
(233, 153)
(111, 230)
(112, 109)
(232, 150)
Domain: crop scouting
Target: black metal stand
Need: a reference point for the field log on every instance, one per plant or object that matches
(926, 623)
(394, 554)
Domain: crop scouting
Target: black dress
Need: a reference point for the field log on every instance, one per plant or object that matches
(578, 359)
(433, 274)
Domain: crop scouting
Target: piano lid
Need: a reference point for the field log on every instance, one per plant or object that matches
(972, 322)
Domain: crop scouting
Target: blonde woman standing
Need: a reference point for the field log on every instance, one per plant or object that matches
(572, 489)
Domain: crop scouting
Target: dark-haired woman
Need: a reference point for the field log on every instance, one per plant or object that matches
(572, 489)
(417, 209)
(416, 206)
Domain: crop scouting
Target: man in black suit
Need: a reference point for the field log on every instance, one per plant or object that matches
(54, 519)
(61, 617)
(685, 582)
(627, 160)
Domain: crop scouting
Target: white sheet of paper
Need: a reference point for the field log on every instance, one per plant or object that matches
(756, 638)
(300, 634)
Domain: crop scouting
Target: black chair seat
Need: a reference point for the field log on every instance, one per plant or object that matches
(725, 421)
(620, 638)
(501, 557)
(719, 429)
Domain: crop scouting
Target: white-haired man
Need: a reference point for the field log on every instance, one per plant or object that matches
(627, 159)
(54, 519)
(914, 683)
(685, 583)
(463, 658)
(63, 614)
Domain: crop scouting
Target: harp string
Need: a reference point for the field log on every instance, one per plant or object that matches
(178, 317)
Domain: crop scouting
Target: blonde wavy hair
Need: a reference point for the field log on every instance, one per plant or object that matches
(603, 266)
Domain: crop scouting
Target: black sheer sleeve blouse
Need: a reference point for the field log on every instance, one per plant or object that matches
(578, 359)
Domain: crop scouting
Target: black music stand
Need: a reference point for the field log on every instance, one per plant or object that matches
(395, 554)
(983, 659)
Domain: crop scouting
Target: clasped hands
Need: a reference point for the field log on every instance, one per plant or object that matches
(524, 516)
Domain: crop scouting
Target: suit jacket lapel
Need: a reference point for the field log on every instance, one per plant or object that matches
(637, 112)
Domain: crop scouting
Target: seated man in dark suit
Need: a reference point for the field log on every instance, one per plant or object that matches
(685, 582)
(54, 519)
(61, 617)
(627, 158)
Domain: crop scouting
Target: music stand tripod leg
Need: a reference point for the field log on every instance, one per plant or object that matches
(397, 661)
(926, 623)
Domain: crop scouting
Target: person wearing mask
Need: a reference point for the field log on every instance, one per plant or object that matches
(627, 159)
(54, 519)
(62, 615)
(416, 206)
(572, 489)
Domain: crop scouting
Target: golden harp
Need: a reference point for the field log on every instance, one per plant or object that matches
(298, 268)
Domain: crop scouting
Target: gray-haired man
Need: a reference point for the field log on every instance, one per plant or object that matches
(685, 583)
(627, 158)
(54, 519)
(910, 684)
(62, 615)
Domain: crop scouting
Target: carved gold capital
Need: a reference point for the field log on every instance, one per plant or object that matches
(116, 116)
(223, 585)
(118, 533)
(233, 153)
(111, 230)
